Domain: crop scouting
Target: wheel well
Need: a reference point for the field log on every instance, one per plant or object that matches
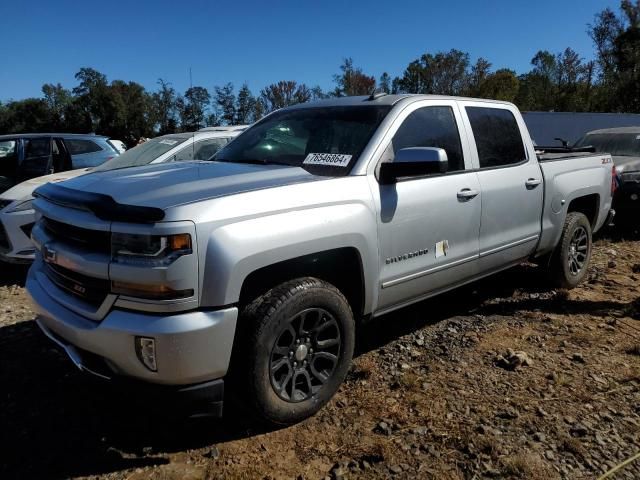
(341, 267)
(588, 205)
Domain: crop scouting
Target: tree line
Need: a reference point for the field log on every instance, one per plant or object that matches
(557, 81)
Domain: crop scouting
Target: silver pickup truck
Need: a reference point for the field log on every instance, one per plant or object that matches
(256, 267)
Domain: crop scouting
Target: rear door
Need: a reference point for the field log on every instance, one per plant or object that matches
(511, 183)
(427, 226)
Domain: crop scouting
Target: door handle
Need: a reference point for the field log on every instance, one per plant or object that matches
(467, 194)
(532, 183)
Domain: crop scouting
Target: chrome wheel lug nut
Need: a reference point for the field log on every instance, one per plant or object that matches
(295, 364)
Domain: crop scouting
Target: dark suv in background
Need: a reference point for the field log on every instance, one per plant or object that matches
(623, 143)
(26, 156)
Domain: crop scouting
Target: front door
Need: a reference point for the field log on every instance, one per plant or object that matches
(428, 227)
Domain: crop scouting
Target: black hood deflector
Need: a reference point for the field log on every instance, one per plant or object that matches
(102, 206)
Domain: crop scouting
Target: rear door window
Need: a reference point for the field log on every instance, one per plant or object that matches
(497, 137)
(79, 147)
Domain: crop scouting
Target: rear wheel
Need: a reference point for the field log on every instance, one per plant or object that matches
(296, 349)
(570, 261)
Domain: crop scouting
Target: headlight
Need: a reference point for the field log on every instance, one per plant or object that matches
(22, 206)
(156, 250)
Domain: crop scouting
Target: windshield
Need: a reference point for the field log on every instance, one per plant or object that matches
(617, 144)
(325, 141)
(142, 154)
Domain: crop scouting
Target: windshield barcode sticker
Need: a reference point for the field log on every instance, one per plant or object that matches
(168, 142)
(330, 159)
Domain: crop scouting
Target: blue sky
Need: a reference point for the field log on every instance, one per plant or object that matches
(260, 42)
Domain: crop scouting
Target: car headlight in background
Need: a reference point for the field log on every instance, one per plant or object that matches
(22, 206)
(156, 250)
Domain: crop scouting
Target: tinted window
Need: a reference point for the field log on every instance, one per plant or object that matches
(323, 140)
(37, 152)
(497, 136)
(432, 127)
(208, 148)
(143, 154)
(78, 147)
(36, 147)
(202, 150)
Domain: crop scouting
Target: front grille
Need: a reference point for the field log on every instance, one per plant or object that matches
(94, 240)
(91, 290)
(4, 240)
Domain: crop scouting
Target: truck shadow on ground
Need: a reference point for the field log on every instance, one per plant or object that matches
(58, 423)
(13, 274)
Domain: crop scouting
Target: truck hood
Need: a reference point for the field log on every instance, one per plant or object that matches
(25, 189)
(171, 184)
(626, 164)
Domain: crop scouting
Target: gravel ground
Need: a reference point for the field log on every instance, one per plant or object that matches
(502, 379)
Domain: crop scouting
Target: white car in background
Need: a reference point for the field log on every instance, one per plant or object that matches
(119, 145)
(17, 216)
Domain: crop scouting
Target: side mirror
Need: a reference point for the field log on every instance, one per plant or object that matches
(414, 162)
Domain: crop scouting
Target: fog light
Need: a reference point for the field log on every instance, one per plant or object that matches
(146, 351)
(634, 196)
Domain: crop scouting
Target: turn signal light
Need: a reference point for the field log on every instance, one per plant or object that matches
(180, 242)
(152, 292)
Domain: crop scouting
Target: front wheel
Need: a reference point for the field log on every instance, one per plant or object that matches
(570, 261)
(296, 349)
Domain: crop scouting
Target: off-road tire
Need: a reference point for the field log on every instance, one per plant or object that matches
(563, 266)
(262, 324)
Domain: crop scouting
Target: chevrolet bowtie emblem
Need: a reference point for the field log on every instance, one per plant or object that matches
(49, 254)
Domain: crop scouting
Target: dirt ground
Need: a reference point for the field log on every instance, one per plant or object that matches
(501, 379)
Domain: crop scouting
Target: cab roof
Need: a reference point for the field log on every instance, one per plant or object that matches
(62, 135)
(388, 100)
